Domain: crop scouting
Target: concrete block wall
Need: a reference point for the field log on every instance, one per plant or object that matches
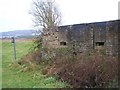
(87, 36)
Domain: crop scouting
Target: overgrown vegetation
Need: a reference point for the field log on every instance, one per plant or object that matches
(85, 71)
(26, 75)
(88, 70)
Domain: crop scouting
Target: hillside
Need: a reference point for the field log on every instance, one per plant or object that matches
(19, 33)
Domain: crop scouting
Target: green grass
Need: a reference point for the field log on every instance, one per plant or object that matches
(12, 78)
(0, 65)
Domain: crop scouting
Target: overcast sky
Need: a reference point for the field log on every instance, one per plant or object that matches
(14, 13)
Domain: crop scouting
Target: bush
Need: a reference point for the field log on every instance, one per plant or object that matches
(93, 70)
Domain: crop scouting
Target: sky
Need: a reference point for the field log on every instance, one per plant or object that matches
(14, 13)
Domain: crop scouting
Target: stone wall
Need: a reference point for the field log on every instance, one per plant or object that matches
(50, 38)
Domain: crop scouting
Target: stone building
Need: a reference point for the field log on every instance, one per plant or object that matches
(98, 35)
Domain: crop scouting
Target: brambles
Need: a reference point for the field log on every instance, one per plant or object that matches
(91, 71)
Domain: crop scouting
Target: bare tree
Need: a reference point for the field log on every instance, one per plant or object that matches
(46, 13)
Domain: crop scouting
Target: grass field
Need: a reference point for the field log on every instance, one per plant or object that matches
(0, 64)
(12, 78)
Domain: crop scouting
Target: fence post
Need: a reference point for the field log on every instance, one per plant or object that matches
(14, 45)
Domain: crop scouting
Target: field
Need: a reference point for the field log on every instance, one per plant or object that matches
(11, 75)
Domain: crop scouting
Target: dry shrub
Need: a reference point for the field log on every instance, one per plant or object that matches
(30, 58)
(93, 70)
(29, 61)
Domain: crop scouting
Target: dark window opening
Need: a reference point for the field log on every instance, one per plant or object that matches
(63, 43)
(99, 43)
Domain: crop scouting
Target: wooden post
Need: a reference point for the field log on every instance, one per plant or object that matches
(14, 45)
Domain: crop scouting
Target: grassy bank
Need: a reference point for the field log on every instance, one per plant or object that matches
(12, 78)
